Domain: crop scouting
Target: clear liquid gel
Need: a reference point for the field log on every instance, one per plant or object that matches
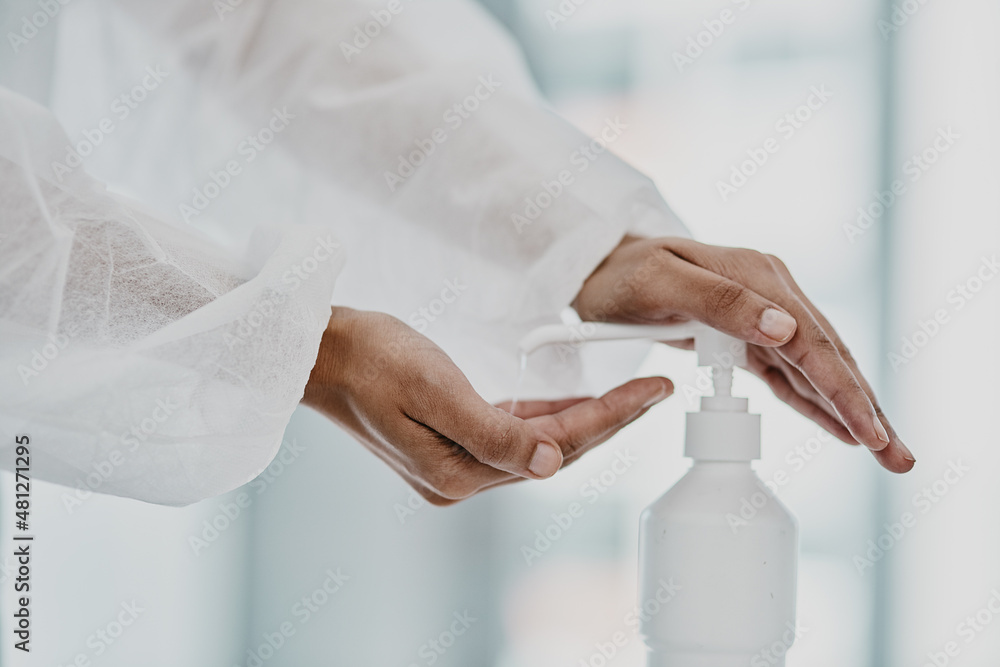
(520, 380)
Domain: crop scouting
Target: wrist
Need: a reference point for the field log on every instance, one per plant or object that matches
(322, 380)
(589, 309)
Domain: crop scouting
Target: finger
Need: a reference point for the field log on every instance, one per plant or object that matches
(502, 444)
(448, 469)
(723, 304)
(809, 348)
(447, 404)
(769, 358)
(568, 459)
(895, 442)
(589, 423)
(474, 477)
(782, 388)
(895, 459)
(528, 409)
(789, 385)
(815, 355)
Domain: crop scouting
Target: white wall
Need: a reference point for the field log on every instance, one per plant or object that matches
(90, 558)
(948, 396)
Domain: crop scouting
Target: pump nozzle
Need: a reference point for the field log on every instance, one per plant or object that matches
(576, 334)
(723, 430)
(714, 348)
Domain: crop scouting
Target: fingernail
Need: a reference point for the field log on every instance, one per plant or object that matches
(776, 325)
(656, 398)
(880, 430)
(546, 460)
(907, 454)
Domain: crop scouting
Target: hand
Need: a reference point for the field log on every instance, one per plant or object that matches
(406, 401)
(753, 297)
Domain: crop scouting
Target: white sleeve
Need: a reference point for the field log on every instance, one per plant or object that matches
(140, 359)
(458, 182)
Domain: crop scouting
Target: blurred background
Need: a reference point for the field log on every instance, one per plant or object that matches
(861, 97)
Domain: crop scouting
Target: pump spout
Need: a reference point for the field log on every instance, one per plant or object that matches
(714, 348)
(585, 332)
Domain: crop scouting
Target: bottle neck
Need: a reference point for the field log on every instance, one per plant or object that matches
(723, 465)
(722, 435)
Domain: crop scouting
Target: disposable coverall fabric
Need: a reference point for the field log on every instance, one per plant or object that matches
(156, 350)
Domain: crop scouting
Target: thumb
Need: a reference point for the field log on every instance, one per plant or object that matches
(490, 434)
(524, 448)
(505, 442)
(535, 448)
(732, 308)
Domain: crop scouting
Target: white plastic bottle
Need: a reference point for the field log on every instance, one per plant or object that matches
(719, 540)
(722, 538)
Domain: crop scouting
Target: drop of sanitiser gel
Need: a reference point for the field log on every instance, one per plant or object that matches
(520, 380)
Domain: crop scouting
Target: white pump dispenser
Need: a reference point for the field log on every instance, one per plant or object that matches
(719, 536)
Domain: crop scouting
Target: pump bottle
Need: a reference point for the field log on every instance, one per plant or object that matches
(719, 537)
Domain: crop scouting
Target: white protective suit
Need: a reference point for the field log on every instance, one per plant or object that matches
(158, 323)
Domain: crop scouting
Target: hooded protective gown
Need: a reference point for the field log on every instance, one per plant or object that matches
(186, 187)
